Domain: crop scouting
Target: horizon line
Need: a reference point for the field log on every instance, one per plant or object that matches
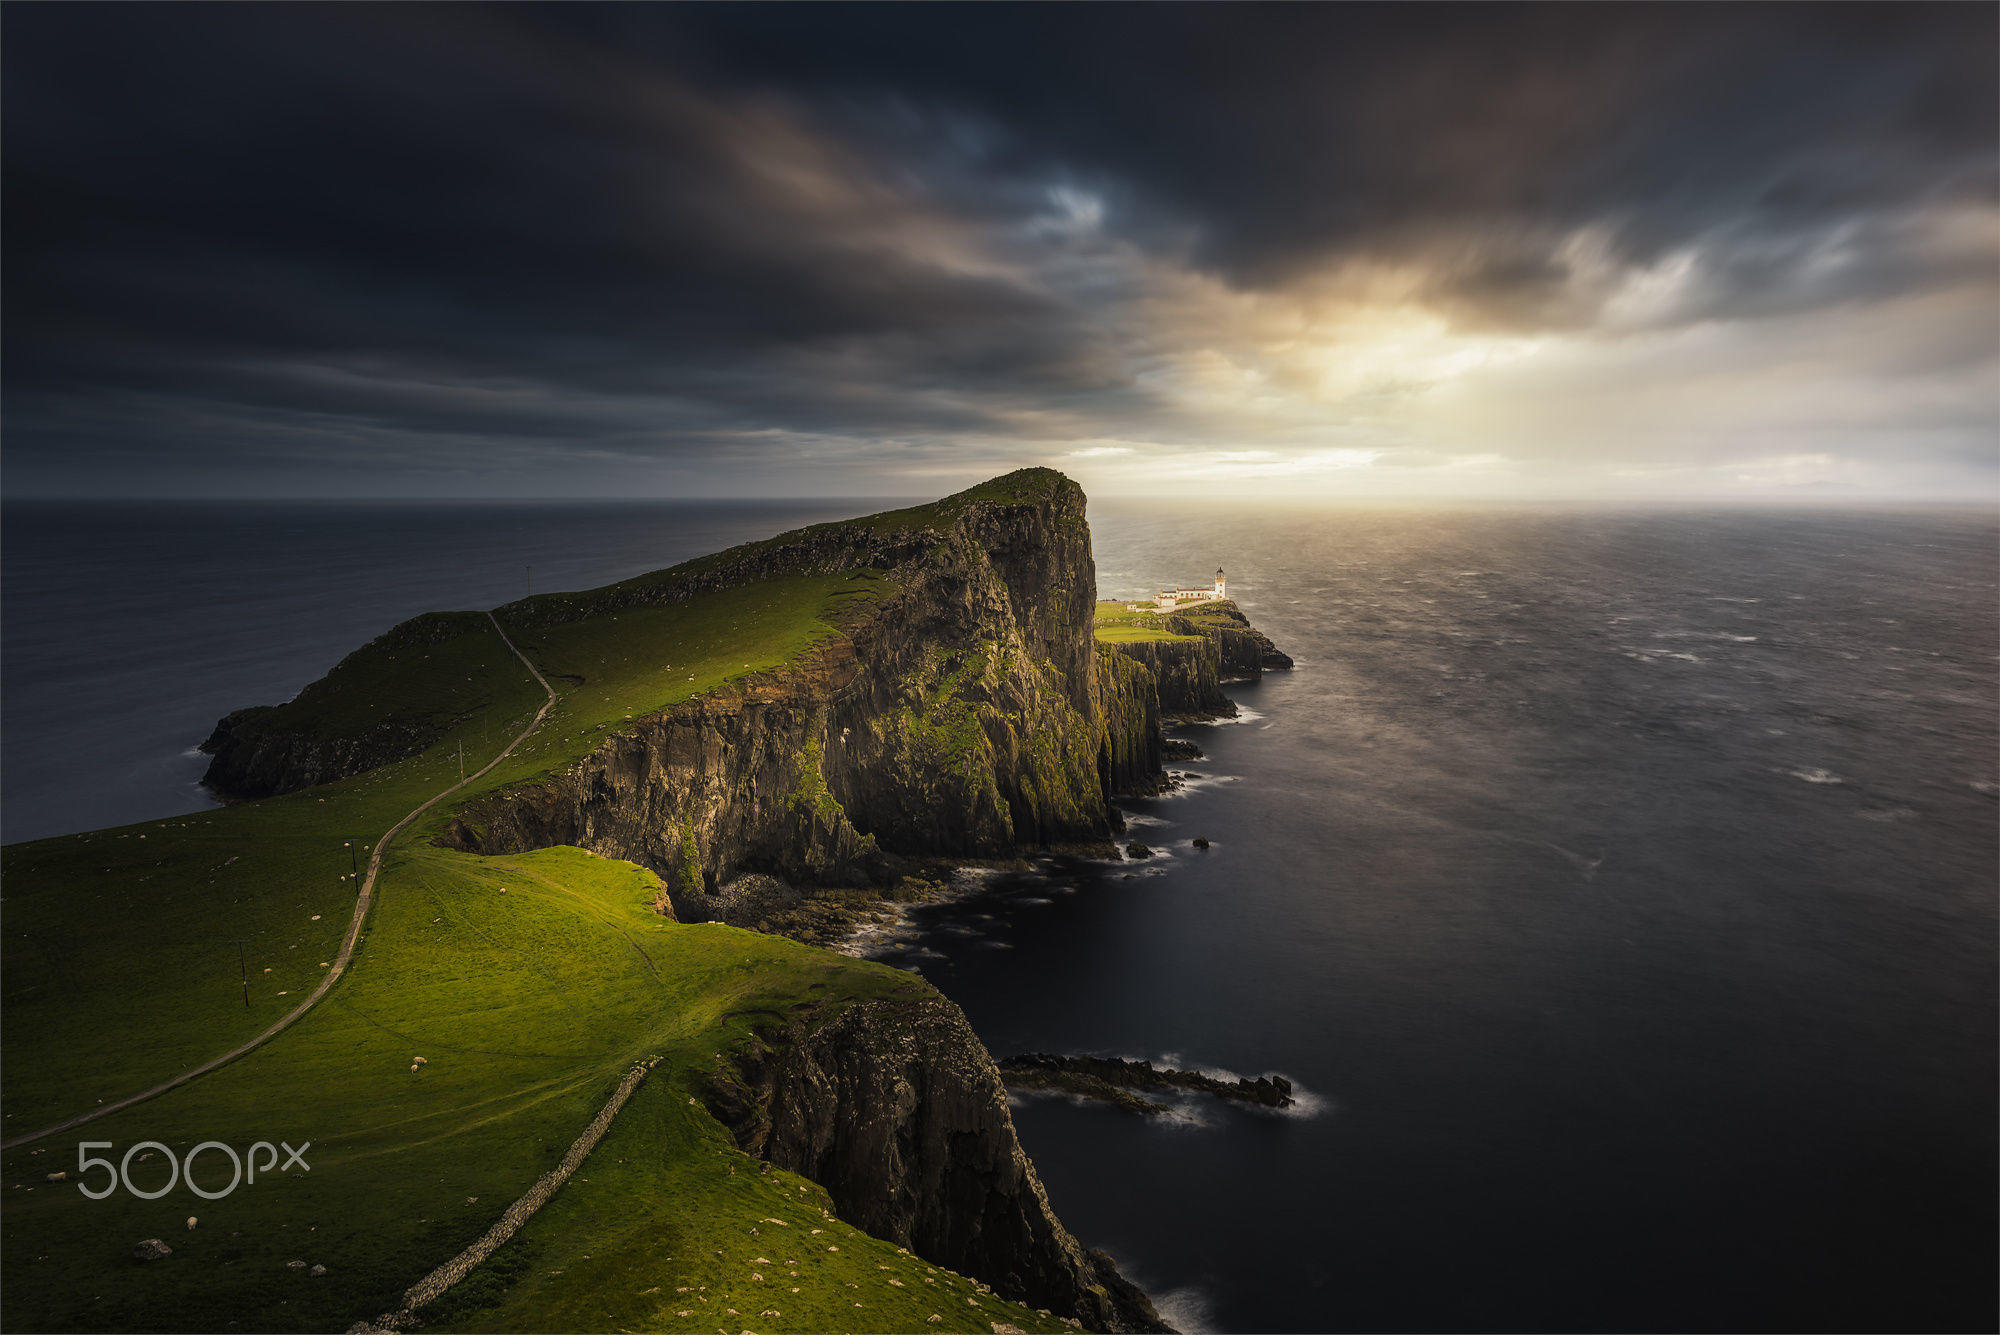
(1230, 500)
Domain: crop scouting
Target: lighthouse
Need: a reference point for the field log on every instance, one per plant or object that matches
(1219, 583)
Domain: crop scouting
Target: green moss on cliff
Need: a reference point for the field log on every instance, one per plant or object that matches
(947, 720)
(812, 794)
(687, 868)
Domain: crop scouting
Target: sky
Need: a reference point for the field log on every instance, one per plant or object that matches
(1291, 253)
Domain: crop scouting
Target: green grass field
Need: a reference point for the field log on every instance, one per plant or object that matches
(529, 984)
(1116, 623)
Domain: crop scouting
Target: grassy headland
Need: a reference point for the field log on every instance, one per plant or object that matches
(528, 983)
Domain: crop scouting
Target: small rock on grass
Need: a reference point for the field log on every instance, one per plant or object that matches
(152, 1249)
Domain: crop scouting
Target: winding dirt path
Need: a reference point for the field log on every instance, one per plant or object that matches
(348, 945)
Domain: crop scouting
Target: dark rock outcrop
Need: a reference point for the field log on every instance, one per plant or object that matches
(896, 1109)
(1082, 1075)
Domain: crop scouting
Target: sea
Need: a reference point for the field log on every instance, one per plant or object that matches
(1618, 888)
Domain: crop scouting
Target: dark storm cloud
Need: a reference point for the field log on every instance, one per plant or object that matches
(1471, 136)
(301, 242)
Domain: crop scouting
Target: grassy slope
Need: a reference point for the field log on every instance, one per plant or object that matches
(136, 967)
(1219, 611)
(1117, 624)
(1019, 487)
(528, 1006)
(637, 1241)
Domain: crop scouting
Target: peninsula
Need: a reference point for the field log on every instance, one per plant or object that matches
(550, 1082)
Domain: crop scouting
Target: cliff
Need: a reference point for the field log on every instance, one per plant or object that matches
(960, 711)
(1189, 654)
(896, 1109)
(1131, 747)
(1185, 674)
(1242, 651)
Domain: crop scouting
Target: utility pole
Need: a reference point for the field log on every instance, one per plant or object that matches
(352, 865)
(244, 966)
(461, 760)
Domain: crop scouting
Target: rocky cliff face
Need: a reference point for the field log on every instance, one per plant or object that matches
(1242, 651)
(1131, 747)
(896, 1109)
(1186, 676)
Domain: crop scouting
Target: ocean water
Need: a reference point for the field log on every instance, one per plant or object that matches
(1619, 889)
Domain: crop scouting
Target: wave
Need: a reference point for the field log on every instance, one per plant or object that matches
(1192, 782)
(1585, 866)
(1815, 775)
(1717, 636)
(1244, 714)
(1190, 1309)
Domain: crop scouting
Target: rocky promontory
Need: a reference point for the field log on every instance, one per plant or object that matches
(958, 706)
(896, 1109)
(1122, 1082)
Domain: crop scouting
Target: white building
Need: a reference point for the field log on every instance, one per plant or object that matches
(1175, 596)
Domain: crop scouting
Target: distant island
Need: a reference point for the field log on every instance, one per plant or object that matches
(550, 1081)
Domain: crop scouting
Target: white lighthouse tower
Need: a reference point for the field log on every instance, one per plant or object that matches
(1219, 584)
